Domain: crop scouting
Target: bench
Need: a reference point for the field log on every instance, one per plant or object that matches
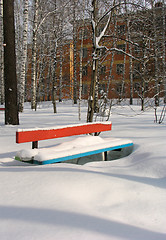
(78, 148)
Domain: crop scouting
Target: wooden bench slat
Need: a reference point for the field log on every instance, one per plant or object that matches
(66, 131)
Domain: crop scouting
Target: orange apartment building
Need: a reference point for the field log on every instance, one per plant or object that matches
(118, 78)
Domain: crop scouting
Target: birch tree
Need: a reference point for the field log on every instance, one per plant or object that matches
(156, 77)
(164, 47)
(23, 57)
(54, 78)
(106, 17)
(113, 54)
(61, 22)
(128, 36)
(34, 54)
(97, 37)
(95, 62)
(74, 54)
(60, 73)
(143, 50)
(54, 74)
(81, 59)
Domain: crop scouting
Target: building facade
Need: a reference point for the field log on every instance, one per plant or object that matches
(131, 60)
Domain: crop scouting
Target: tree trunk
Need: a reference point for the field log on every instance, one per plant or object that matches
(91, 101)
(2, 99)
(155, 55)
(54, 74)
(11, 108)
(97, 37)
(81, 59)
(54, 79)
(34, 53)
(131, 75)
(112, 56)
(164, 49)
(61, 60)
(23, 58)
(95, 64)
(60, 75)
(74, 54)
(130, 52)
(123, 77)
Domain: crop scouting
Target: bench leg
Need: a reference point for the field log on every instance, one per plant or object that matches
(35, 144)
(105, 156)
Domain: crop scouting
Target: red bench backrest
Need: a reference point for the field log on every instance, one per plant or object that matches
(23, 135)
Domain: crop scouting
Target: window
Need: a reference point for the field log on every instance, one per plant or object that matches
(137, 67)
(121, 47)
(102, 87)
(137, 86)
(85, 71)
(136, 70)
(159, 47)
(85, 32)
(103, 70)
(84, 89)
(146, 86)
(137, 49)
(119, 68)
(121, 29)
(119, 88)
(85, 52)
(159, 22)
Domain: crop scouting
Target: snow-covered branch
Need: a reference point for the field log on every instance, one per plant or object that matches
(102, 32)
(121, 51)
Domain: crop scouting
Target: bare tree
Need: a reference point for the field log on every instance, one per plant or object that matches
(81, 59)
(97, 37)
(74, 53)
(95, 63)
(164, 48)
(34, 53)
(54, 79)
(156, 77)
(11, 108)
(23, 57)
(1, 55)
(128, 37)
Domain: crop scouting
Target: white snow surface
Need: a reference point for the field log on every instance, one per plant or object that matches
(121, 199)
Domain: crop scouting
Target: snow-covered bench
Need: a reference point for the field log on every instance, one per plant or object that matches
(75, 149)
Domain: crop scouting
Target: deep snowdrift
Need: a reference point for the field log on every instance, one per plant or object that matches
(121, 199)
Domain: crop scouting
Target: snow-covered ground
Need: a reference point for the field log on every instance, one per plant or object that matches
(121, 199)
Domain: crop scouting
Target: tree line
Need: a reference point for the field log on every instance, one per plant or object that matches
(45, 26)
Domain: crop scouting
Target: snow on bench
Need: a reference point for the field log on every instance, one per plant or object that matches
(75, 149)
